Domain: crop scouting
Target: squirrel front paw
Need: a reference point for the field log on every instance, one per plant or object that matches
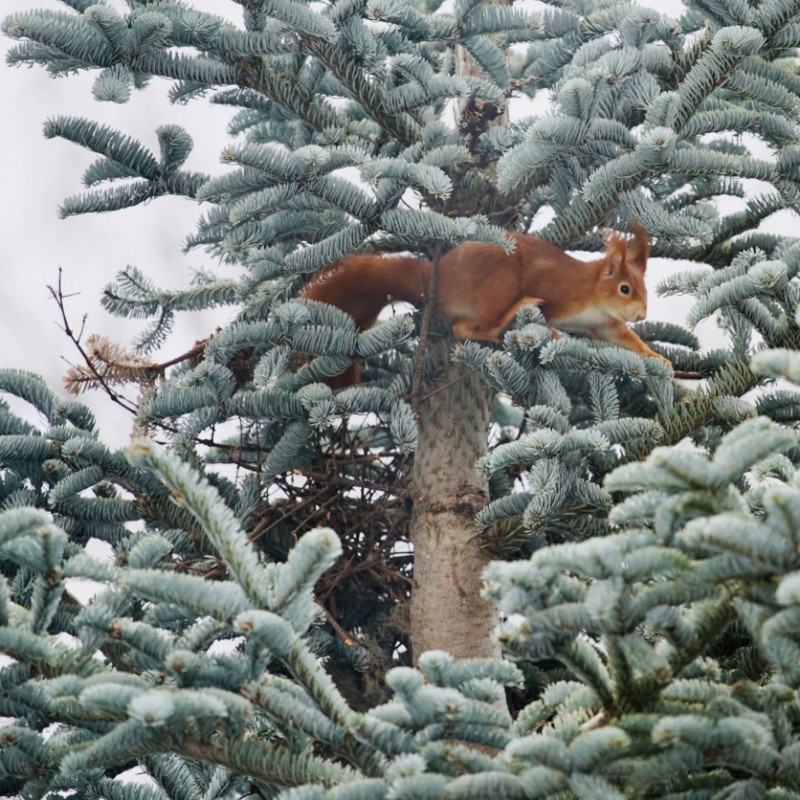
(666, 361)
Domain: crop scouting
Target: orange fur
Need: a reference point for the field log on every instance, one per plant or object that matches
(480, 288)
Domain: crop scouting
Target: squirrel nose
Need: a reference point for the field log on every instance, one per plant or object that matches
(640, 317)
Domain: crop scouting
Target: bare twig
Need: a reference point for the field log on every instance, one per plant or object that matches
(338, 629)
(122, 367)
(60, 298)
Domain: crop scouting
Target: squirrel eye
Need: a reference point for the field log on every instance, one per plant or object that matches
(625, 289)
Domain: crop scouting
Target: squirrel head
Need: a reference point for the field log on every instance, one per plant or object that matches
(620, 287)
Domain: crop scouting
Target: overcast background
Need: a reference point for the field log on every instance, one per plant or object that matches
(38, 173)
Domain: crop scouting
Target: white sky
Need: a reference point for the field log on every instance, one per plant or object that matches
(39, 173)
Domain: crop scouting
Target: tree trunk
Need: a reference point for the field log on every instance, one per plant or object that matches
(447, 611)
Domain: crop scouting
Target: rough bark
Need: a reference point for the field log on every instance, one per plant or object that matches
(447, 611)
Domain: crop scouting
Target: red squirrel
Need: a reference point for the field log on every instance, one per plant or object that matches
(480, 288)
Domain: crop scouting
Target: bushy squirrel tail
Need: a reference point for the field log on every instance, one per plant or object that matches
(362, 285)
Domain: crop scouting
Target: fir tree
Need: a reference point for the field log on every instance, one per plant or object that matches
(252, 635)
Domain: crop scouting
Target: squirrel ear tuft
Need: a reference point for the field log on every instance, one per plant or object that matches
(616, 248)
(608, 234)
(639, 246)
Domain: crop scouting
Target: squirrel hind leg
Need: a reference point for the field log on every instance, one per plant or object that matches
(350, 377)
(512, 312)
(470, 328)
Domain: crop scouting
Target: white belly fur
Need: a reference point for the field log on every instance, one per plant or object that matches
(585, 320)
